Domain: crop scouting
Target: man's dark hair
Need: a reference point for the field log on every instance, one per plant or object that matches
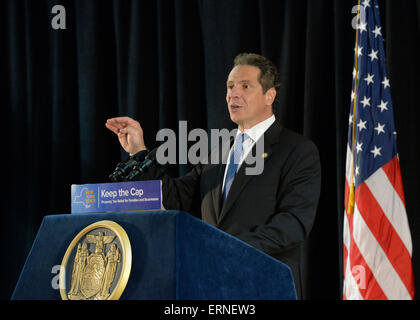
(269, 76)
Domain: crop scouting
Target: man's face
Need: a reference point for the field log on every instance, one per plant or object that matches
(247, 103)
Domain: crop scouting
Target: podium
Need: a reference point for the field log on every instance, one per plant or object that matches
(174, 257)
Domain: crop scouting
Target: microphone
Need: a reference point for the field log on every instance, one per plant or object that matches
(122, 169)
(125, 166)
(139, 168)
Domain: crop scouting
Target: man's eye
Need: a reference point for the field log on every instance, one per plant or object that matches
(246, 86)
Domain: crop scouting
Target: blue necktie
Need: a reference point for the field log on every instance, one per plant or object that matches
(234, 162)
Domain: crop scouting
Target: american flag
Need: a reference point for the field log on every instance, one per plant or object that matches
(377, 243)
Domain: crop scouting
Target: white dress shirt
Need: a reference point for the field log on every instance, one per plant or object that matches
(254, 134)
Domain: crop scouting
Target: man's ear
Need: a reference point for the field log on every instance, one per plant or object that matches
(270, 95)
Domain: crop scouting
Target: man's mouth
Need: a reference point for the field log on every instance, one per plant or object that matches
(235, 107)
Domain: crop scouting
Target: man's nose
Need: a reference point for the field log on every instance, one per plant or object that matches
(234, 92)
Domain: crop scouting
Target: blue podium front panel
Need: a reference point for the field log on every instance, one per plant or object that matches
(152, 237)
(174, 256)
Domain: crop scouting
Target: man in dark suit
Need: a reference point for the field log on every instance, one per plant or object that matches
(274, 210)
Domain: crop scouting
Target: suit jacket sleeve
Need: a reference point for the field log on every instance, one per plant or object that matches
(178, 193)
(296, 204)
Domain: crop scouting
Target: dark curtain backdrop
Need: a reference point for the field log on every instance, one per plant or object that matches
(167, 60)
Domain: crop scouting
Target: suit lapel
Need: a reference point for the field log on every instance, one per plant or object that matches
(217, 191)
(241, 179)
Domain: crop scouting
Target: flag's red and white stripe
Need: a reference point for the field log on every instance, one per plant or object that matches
(377, 243)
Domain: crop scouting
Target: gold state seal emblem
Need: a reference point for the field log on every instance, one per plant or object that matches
(97, 263)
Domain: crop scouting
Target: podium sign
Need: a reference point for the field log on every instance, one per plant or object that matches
(114, 197)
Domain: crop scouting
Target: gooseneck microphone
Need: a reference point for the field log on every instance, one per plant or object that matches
(140, 168)
(126, 166)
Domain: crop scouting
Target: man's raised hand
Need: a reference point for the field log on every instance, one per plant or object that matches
(129, 132)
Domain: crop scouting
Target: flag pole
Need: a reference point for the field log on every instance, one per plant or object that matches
(350, 207)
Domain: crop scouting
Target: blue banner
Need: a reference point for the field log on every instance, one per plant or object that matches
(114, 197)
